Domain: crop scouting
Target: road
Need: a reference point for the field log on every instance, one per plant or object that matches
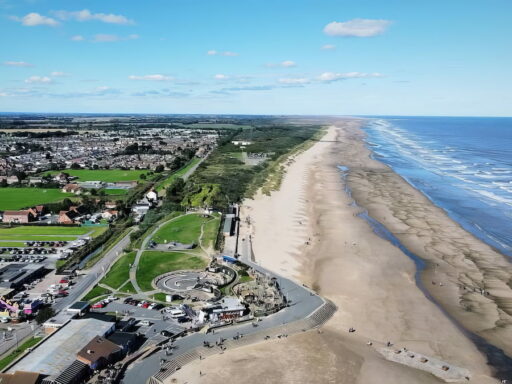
(94, 274)
(303, 302)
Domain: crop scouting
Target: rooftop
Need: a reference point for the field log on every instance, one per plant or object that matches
(59, 351)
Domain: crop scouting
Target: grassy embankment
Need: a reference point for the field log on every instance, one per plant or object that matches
(17, 352)
(160, 188)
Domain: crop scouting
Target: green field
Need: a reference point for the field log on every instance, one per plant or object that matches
(115, 192)
(185, 229)
(120, 271)
(106, 175)
(49, 233)
(12, 244)
(154, 263)
(179, 173)
(17, 198)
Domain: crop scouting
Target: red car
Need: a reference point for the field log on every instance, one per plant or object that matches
(98, 305)
(146, 304)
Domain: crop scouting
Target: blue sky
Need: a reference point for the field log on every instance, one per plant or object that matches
(331, 57)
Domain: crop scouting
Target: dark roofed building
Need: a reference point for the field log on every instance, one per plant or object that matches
(98, 352)
(20, 377)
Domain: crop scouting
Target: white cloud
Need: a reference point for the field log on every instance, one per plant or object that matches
(293, 80)
(357, 28)
(77, 38)
(331, 76)
(285, 64)
(17, 64)
(38, 79)
(328, 47)
(156, 77)
(221, 76)
(59, 74)
(33, 19)
(3, 94)
(213, 52)
(288, 64)
(86, 15)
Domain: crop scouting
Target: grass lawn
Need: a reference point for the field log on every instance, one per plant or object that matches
(95, 292)
(128, 288)
(106, 175)
(115, 192)
(119, 272)
(46, 230)
(185, 229)
(210, 231)
(17, 198)
(17, 352)
(18, 244)
(160, 296)
(155, 263)
(179, 173)
(48, 233)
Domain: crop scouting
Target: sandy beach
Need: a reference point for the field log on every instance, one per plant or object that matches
(309, 230)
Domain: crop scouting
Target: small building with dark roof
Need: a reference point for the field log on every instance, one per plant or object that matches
(98, 352)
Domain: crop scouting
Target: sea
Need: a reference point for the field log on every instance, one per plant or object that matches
(462, 164)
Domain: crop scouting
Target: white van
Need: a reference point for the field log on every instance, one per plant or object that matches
(175, 313)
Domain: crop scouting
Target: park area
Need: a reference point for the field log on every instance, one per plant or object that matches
(186, 229)
(48, 233)
(18, 198)
(105, 175)
(154, 263)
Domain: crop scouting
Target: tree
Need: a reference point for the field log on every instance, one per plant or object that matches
(142, 176)
(174, 191)
(75, 166)
(44, 314)
(159, 168)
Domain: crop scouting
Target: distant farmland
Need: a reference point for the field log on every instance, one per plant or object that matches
(17, 198)
(105, 175)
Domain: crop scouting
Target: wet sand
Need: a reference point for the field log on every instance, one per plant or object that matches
(310, 231)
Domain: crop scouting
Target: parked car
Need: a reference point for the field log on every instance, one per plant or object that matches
(166, 333)
(128, 300)
(98, 305)
(146, 323)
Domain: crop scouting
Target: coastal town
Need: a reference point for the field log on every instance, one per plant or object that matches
(105, 271)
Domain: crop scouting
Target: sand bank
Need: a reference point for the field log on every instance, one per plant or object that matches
(309, 230)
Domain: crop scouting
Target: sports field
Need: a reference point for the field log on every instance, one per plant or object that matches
(18, 198)
(49, 233)
(106, 175)
(154, 263)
